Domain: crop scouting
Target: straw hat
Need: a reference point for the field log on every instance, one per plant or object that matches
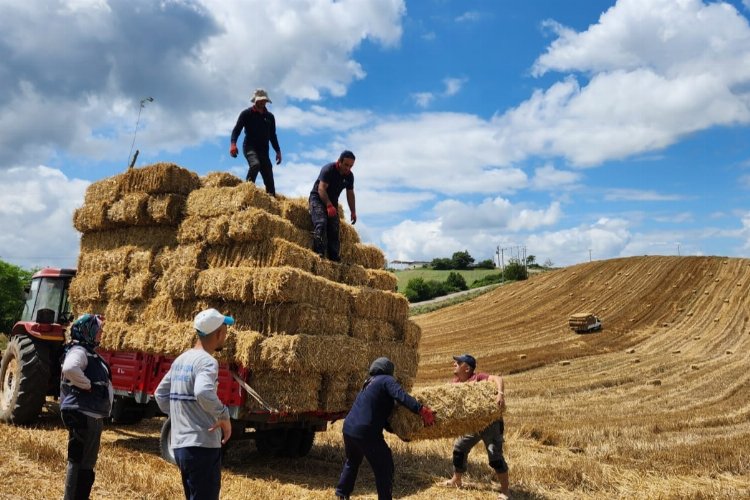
(260, 95)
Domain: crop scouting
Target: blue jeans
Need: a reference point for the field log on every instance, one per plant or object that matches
(201, 472)
(379, 456)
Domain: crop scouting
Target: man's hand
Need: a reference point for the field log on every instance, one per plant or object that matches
(354, 217)
(331, 210)
(428, 417)
(500, 400)
(278, 157)
(226, 429)
(233, 150)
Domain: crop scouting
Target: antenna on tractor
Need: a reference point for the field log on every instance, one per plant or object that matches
(135, 132)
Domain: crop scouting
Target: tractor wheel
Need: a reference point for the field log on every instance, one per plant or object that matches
(24, 376)
(165, 445)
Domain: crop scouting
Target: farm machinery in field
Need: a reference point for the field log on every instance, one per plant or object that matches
(584, 323)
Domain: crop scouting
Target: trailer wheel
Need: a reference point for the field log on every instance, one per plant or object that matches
(24, 376)
(299, 442)
(165, 442)
(291, 443)
(126, 411)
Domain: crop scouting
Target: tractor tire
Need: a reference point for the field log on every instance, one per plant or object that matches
(24, 376)
(165, 444)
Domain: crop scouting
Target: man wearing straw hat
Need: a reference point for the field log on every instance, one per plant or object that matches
(187, 393)
(464, 370)
(260, 127)
(324, 200)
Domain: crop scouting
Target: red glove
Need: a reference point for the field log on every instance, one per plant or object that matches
(428, 417)
(331, 210)
(233, 150)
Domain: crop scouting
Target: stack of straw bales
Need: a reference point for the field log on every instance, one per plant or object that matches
(460, 409)
(160, 244)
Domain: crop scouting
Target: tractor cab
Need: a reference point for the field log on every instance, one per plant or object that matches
(46, 310)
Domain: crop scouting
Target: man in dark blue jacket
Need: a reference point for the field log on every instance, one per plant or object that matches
(363, 429)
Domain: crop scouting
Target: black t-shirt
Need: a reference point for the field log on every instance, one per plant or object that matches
(259, 129)
(336, 182)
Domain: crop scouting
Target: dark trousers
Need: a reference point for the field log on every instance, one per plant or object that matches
(493, 438)
(325, 230)
(259, 162)
(84, 436)
(378, 455)
(201, 472)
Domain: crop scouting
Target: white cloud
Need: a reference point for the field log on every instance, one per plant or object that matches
(548, 178)
(423, 99)
(453, 86)
(469, 16)
(639, 195)
(36, 213)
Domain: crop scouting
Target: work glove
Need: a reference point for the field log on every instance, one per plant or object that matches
(428, 417)
(354, 217)
(233, 150)
(331, 210)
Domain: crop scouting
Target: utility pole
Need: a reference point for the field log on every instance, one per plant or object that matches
(589, 255)
(497, 253)
(135, 131)
(502, 265)
(678, 249)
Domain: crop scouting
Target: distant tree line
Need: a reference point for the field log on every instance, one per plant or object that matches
(13, 280)
(461, 261)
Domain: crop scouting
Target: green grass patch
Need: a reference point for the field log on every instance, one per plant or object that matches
(429, 274)
(3, 341)
(434, 306)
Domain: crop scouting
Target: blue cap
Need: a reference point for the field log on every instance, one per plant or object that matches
(468, 359)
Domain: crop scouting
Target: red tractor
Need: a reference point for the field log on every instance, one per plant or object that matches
(30, 367)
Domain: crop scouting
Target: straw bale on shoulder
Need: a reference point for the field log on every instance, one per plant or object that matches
(159, 178)
(257, 225)
(89, 287)
(130, 210)
(111, 261)
(312, 354)
(106, 190)
(373, 329)
(382, 279)
(196, 229)
(220, 179)
(460, 409)
(167, 209)
(297, 211)
(288, 392)
(287, 284)
(379, 304)
(178, 282)
(214, 201)
(139, 236)
(92, 217)
(190, 255)
(229, 283)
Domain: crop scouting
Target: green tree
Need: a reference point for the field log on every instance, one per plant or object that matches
(416, 290)
(462, 260)
(456, 280)
(485, 264)
(13, 280)
(548, 263)
(441, 264)
(531, 260)
(514, 270)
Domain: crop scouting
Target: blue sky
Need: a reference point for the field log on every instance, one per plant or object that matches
(575, 128)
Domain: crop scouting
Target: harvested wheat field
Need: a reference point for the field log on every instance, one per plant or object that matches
(656, 405)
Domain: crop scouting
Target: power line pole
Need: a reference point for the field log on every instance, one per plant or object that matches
(589, 255)
(135, 131)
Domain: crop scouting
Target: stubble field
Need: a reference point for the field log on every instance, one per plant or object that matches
(656, 405)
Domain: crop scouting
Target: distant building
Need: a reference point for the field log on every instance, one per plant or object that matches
(402, 265)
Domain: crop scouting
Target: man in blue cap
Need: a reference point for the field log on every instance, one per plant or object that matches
(464, 370)
(187, 393)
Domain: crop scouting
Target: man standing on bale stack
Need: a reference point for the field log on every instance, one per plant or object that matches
(324, 199)
(187, 393)
(464, 367)
(260, 127)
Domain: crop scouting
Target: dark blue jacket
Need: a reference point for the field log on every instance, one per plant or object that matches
(96, 401)
(369, 414)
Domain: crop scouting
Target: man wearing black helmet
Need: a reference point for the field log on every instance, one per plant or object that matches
(363, 428)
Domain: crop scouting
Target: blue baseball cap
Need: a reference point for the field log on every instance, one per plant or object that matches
(208, 321)
(466, 358)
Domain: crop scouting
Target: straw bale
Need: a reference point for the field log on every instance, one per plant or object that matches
(348, 235)
(164, 308)
(379, 304)
(124, 312)
(140, 261)
(88, 287)
(368, 256)
(352, 274)
(460, 409)
(139, 236)
(247, 348)
(286, 253)
(297, 211)
(411, 334)
(382, 279)
(111, 261)
(257, 225)
(92, 217)
(214, 201)
(312, 354)
(326, 269)
(159, 178)
(289, 319)
(250, 254)
(181, 256)
(178, 282)
(406, 359)
(130, 210)
(229, 283)
(115, 286)
(220, 179)
(288, 392)
(139, 286)
(195, 229)
(167, 209)
(105, 190)
(373, 329)
(112, 334)
(336, 392)
(287, 284)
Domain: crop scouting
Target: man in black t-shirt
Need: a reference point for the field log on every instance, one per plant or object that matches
(260, 127)
(324, 199)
